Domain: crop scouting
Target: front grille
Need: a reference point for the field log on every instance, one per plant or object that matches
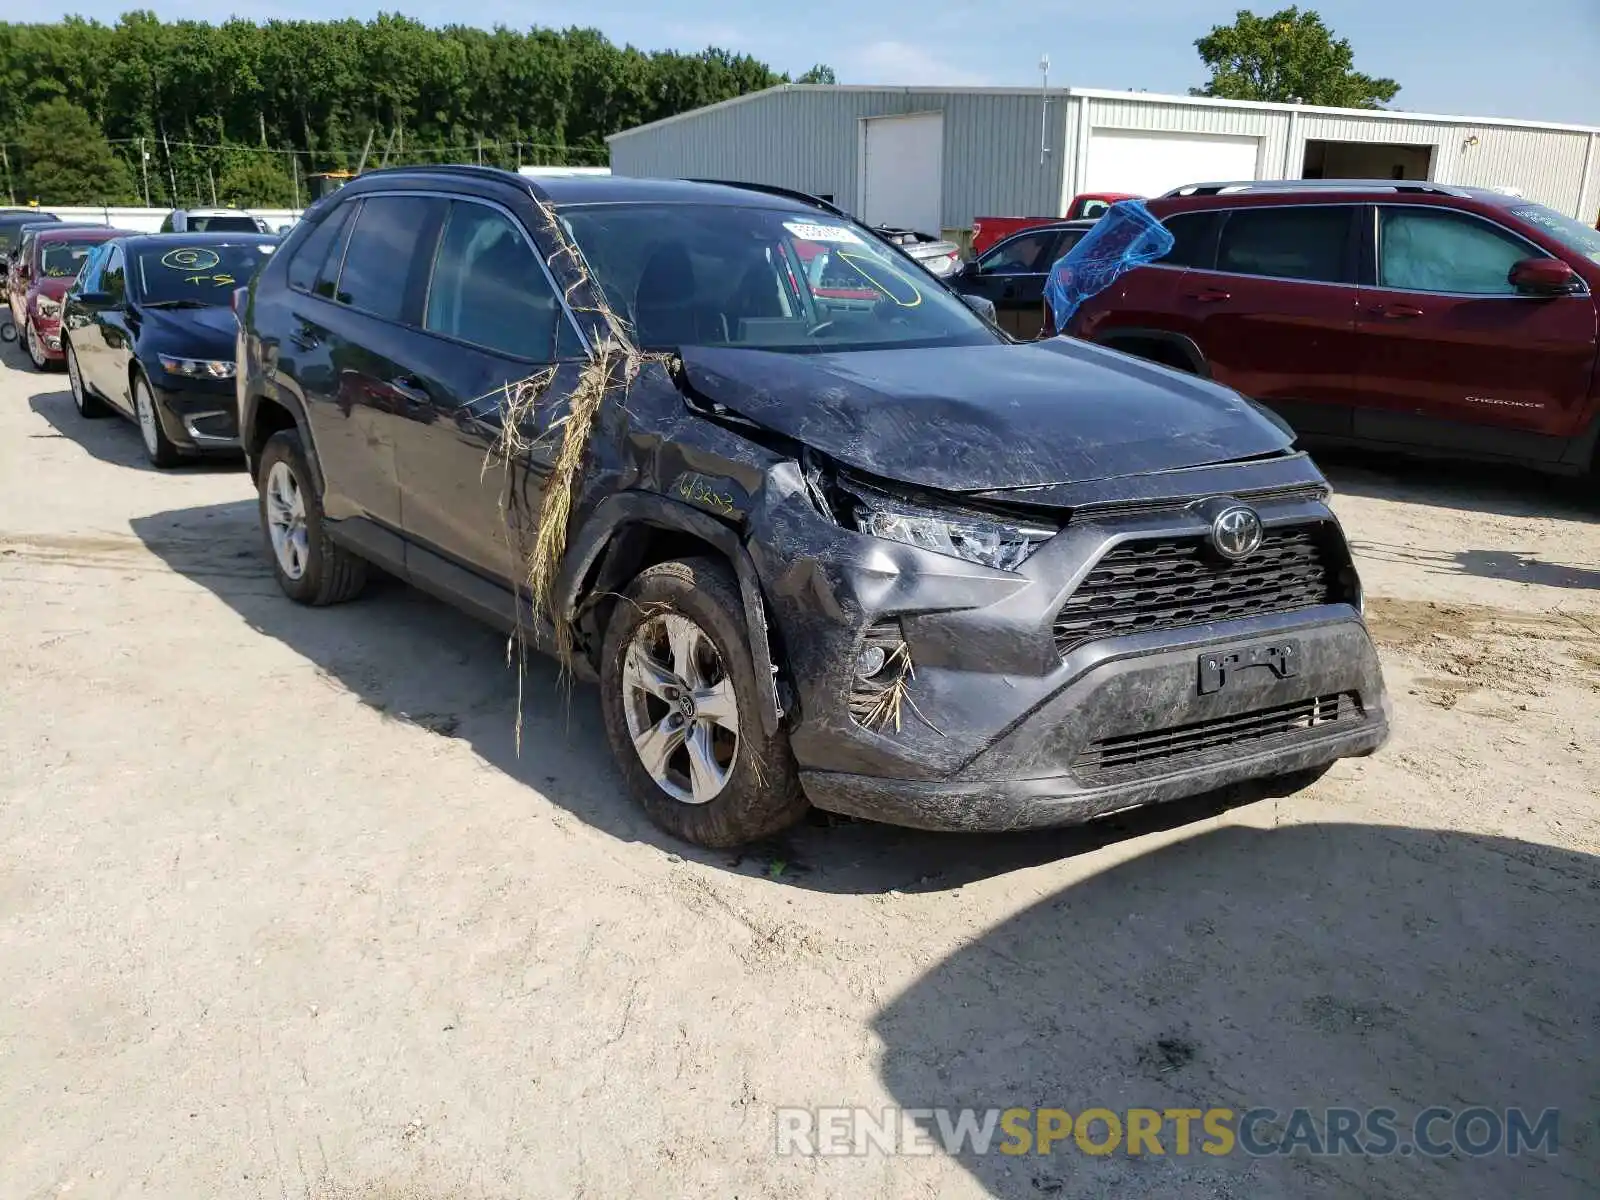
(1138, 753)
(1177, 582)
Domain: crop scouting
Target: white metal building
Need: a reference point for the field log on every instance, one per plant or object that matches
(934, 159)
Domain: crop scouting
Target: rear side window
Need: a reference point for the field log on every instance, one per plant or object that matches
(489, 290)
(114, 282)
(316, 259)
(1194, 242)
(1431, 250)
(1309, 242)
(381, 253)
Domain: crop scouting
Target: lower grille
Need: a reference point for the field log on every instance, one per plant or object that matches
(1169, 748)
(1175, 583)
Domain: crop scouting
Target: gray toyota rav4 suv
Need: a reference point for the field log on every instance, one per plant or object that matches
(848, 546)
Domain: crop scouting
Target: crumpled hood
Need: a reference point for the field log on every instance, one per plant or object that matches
(974, 418)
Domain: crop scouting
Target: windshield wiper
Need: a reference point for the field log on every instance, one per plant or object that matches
(177, 304)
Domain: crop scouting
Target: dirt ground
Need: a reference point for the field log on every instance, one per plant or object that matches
(283, 914)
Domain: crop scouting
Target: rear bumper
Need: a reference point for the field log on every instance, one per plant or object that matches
(1140, 709)
(200, 418)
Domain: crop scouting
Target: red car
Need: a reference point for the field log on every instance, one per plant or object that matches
(986, 231)
(38, 280)
(1413, 316)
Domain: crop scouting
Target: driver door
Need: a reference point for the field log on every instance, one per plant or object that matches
(1012, 276)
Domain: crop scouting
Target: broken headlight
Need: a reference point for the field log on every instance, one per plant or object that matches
(988, 541)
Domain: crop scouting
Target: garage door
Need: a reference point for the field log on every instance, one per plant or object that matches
(1149, 163)
(902, 171)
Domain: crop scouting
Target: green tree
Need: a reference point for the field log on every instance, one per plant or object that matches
(67, 160)
(258, 181)
(821, 73)
(1288, 56)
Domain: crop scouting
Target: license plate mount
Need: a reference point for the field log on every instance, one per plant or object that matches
(1218, 667)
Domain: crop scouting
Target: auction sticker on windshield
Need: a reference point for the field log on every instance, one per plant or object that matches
(808, 232)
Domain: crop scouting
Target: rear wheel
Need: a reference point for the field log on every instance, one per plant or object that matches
(682, 710)
(309, 566)
(89, 406)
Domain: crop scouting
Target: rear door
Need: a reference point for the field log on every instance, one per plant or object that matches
(492, 320)
(1452, 354)
(1276, 317)
(358, 331)
(104, 334)
(1012, 275)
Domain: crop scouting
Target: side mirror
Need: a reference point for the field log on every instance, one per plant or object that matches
(94, 299)
(1544, 277)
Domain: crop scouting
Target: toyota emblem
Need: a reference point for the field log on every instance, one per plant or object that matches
(1236, 532)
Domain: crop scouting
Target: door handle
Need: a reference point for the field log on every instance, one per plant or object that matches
(1210, 295)
(1397, 312)
(305, 337)
(407, 388)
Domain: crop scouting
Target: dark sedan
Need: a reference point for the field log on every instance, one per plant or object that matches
(1012, 273)
(148, 332)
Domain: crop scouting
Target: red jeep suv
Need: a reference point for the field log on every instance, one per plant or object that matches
(1413, 316)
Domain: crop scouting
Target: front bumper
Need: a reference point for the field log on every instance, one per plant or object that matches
(1000, 728)
(201, 417)
(49, 337)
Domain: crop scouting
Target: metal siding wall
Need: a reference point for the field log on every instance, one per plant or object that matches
(810, 140)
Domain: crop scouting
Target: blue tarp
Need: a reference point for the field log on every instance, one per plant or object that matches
(1127, 236)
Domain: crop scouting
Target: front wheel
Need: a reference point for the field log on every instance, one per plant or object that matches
(682, 710)
(35, 344)
(158, 447)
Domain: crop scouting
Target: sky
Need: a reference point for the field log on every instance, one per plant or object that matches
(1539, 60)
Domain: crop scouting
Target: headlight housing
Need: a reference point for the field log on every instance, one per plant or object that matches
(198, 368)
(48, 309)
(987, 541)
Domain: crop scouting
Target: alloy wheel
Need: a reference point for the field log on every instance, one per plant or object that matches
(74, 379)
(681, 709)
(36, 348)
(145, 407)
(286, 520)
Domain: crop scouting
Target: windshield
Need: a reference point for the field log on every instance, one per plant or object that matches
(200, 274)
(61, 260)
(233, 224)
(1573, 234)
(713, 275)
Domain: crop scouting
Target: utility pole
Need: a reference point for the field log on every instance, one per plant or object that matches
(480, 149)
(294, 174)
(213, 180)
(172, 176)
(365, 150)
(144, 171)
(5, 159)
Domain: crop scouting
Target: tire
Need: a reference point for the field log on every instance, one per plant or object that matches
(760, 795)
(158, 448)
(90, 407)
(34, 347)
(327, 573)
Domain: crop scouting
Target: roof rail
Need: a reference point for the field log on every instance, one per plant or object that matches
(1310, 185)
(773, 190)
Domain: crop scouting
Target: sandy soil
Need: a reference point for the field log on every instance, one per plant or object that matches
(282, 913)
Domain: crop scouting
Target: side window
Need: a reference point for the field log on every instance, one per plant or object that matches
(488, 289)
(1194, 242)
(382, 251)
(1430, 250)
(315, 261)
(1027, 254)
(114, 282)
(1308, 242)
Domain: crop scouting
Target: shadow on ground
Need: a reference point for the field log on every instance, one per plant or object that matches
(418, 660)
(1311, 965)
(1469, 487)
(1485, 564)
(111, 439)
